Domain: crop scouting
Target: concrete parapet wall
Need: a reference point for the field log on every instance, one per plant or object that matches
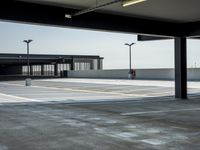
(149, 74)
(194, 74)
(159, 74)
(112, 74)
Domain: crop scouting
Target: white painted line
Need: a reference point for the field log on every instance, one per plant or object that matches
(159, 83)
(50, 94)
(81, 98)
(147, 88)
(182, 128)
(152, 92)
(16, 98)
(160, 111)
(116, 82)
(153, 141)
(4, 83)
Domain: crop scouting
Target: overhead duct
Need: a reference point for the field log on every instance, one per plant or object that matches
(124, 4)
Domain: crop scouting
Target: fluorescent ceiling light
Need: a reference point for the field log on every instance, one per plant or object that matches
(131, 2)
(68, 16)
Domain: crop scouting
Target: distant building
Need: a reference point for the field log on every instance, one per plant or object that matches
(47, 65)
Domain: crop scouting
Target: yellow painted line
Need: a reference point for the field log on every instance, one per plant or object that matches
(87, 91)
(102, 92)
(93, 91)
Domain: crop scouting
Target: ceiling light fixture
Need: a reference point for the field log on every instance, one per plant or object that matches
(68, 16)
(131, 2)
(124, 3)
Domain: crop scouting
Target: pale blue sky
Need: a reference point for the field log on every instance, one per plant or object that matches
(55, 40)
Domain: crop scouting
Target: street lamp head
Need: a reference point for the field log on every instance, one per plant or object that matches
(126, 44)
(28, 41)
(129, 44)
(132, 44)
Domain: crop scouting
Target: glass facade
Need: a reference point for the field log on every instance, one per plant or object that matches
(57, 69)
(63, 67)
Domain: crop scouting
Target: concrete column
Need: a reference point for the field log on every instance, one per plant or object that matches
(72, 65)
(181, 67)
(42, 70)
(91, 65)
(31, 70)
(99, 67)
(56, 69)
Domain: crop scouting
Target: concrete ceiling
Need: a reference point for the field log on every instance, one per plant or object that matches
(177, 11)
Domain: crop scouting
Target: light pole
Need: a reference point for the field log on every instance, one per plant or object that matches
(130, 45)
(28, 81)
(28, 66)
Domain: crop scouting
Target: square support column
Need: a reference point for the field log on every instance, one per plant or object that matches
(91, 65)
(181, 67)
(72, 65)
(42, 70)
(99, 64)
(56, 70)
(31, 70)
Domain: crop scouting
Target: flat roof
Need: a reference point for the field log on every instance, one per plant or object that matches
(14, 55)
(6, 58)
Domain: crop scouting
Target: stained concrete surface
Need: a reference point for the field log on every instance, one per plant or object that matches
(102, 126)
(77, 115)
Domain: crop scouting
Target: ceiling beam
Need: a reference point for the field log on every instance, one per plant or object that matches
(143, 38)
(55, 16)
(192, 29)
(151, 38)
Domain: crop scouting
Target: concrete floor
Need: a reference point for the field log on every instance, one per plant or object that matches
(31, 120)
(165, 125)
(76, 90)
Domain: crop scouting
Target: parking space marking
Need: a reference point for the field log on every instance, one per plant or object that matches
(95, 94)
(88, 91)
(17, 98)
(159, 111)
(115, 82)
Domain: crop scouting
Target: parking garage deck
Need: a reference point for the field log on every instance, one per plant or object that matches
(97, 114)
